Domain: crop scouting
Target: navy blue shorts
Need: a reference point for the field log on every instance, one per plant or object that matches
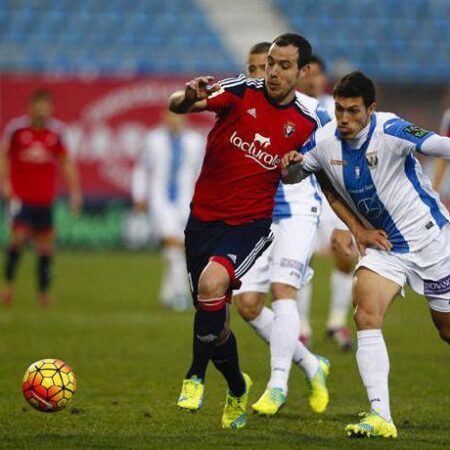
(33, 218)
(236, 247)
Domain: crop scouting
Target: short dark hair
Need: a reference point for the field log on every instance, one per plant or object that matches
(356, 84)
(303, 46)
(41, 94)
(259, 48)
(319, 61)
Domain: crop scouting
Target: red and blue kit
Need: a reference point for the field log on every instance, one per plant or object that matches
(241, 169)
(33, 156)
(234, 195)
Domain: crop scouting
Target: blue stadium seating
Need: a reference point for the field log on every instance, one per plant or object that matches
(109, 37)
(391, 40)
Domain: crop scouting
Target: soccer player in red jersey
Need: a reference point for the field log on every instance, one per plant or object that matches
(31, 149)
(257, 122)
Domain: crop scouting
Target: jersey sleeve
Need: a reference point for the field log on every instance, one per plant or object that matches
(230, 93)
(412, 136)
(310, 151)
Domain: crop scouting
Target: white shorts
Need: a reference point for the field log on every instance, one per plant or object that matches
(287, 259)
(168, 220)
(427, 270)
(328, 222)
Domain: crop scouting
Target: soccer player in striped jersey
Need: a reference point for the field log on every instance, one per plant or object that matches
(162, 184)
(257, 121)
(368, 156)
(282, 269)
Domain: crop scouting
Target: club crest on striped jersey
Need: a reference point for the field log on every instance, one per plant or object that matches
(289, 129)
(372, 159)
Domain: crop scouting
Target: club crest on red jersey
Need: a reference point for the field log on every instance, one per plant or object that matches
(289, 129)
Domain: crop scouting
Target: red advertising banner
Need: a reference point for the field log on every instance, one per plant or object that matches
(106, 121)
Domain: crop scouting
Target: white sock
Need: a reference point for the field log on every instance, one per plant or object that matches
(373, 364)
(262, 324)
(166, 289)
(283, 341)
(303, 305)
(306, 360)
(341, 297)
(174, 281)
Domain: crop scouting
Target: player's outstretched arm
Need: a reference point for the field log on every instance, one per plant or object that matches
(70, 173)
(364, 237)
(193, 98)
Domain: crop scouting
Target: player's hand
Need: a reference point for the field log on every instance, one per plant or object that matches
(341, 241)
(76, 202)
(291, 158)
(200, 88)
(372, 238)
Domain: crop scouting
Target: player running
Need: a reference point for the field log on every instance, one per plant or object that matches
(368, 156)
(257, 121)
(282, 269)
(32, 147)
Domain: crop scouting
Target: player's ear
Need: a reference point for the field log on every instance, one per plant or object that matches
(371, 108)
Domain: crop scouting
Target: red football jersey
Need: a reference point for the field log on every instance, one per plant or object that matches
(33, 154)
(241, 169)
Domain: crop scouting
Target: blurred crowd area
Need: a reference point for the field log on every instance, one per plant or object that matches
(111, 66)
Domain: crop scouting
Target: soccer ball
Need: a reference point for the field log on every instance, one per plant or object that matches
(48, 385)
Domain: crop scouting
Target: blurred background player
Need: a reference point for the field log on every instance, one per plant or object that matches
(282, 269)
(440, 180)
(163, 183)
(32, 148)
(314, 84)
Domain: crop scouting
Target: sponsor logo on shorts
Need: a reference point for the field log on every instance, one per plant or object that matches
(441, 286)
(292, 263)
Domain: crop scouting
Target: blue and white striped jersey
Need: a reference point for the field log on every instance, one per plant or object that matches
(304, 198)
(380, 178)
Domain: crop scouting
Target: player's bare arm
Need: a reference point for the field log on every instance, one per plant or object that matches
(193, 98)
(364, 237)
(70, 173)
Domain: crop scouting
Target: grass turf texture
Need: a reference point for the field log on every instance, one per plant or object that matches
(130, 356)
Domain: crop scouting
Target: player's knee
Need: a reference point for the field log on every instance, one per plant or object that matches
(248, 307)
(213, 282)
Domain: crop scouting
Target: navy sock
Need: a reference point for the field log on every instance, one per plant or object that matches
(44, 272)
(12, 259)
(226, 360)
(207, 328)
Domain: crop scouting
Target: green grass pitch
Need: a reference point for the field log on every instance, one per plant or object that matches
(130, 356)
